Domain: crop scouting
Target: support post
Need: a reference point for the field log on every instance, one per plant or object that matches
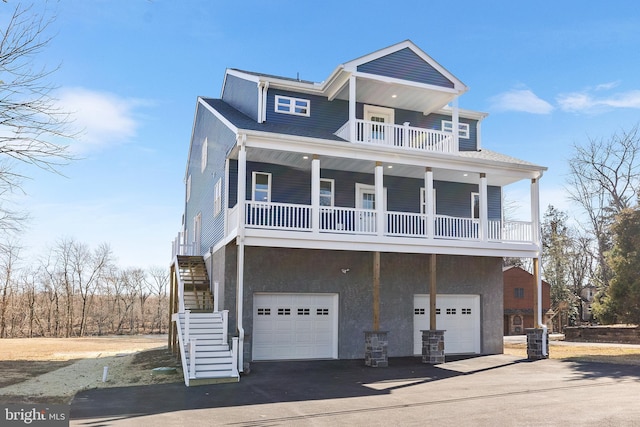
(376, 291)
(484, 213)
(379, 199)
(352, 108)
(429, 202)
(315, 194)
(432, 292)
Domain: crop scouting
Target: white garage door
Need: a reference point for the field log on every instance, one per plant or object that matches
(295, 326)
(458, 315)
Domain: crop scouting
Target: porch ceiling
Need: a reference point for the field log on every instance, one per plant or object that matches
(297, 160)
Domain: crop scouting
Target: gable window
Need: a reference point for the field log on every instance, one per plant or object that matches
(475, 205)
(463, 128)
(261, 188)
(326, 192)
(295, 106)
(203, 156)
(423, 201)
(518, 292)
(217, 197)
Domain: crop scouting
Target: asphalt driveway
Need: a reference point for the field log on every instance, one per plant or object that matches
(486, 391)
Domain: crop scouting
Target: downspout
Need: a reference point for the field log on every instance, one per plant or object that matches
(242, 191)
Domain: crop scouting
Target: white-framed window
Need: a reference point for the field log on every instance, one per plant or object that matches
(423, 201)
(261, 187)
(203, 155)
(188, 187)
(217, 197)
(327, 187)
(475, 205)
(463, 128)
(295, 106)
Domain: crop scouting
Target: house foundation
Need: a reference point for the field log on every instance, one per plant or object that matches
(433, 346)
(375, 349)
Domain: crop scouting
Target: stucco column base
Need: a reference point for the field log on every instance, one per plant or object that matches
(375, 349)
(535, 346)
(433, 346)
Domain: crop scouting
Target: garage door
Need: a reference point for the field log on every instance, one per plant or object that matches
(295, 326)
(458, 315)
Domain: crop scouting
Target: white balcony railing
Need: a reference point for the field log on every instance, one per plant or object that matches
(341, 220)
(402, 136)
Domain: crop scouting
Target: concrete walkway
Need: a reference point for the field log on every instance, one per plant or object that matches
(482, 391)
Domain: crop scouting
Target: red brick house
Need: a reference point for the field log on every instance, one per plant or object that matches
(519, 295)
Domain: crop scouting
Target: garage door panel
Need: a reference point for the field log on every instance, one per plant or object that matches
(295, 326)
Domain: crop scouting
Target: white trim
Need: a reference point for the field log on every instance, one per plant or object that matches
(218, 115)
(369, 188)
(204, 154)
(253, 186)
(333, 190)
(423, 203)
(463, 128)
(475, 194)
(188, 190)
(217, 197)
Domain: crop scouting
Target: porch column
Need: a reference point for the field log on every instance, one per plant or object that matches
(241, 202)
(315, 194)
(484, 213)
(432, 339)
(429, 202)
(535, 211)
(352, 108)
(379, 190)
(455, 120)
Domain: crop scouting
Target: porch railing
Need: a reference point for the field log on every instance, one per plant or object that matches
(344, 220)
(402, 136)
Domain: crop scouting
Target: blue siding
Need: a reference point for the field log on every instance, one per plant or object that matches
(403, 194)
(242, 95)
(324, 114)
(406, 65)
(219, 140)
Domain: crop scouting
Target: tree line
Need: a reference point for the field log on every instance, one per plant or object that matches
(77, 291)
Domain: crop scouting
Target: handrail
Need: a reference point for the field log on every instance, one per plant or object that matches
(181, 341)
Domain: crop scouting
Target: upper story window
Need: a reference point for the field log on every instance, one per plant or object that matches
(326, 192)
(261, 188)
(204, 154)
(518, 293)
(463, 128)
(295, 106)
(217, 197)
(475, 205)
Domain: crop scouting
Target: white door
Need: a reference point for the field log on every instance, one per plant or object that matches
(457, 315)
(295, 326)
(366, 203)
(379, 131)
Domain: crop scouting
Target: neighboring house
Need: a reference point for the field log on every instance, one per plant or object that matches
(587, 295)
(318, 207)
(520, 294)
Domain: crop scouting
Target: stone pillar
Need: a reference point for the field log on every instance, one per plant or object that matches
(535, 339)
(375, 349)
(433, 346)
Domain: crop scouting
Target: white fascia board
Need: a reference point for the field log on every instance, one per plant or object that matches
(467, 114)
(193, 129)
(393, 80)
(218, 115)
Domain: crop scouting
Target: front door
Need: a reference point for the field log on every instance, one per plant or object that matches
(365, 221)
(379, 131)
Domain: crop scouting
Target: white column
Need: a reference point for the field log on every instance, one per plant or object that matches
(315, 194)
(242, 182)
(352, 108)
(535, 211)
(242, 194)
(379, 190)
(484, 212)
(430, 202)
(455, 119)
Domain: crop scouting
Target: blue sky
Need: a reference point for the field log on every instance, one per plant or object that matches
(549, 73)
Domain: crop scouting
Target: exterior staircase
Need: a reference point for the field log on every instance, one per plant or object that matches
(201, 330)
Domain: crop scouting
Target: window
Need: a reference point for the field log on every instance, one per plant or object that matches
(322, 311)
(418, 311)
(261, 190)
(264, 312)
(217, 197)
(463, 128)
(284, 312)
(203, 155)
(304, 312)
(295, 106)
(475, 205)
(188, 187)
(326, 192)
(423, 201)
(518, 292)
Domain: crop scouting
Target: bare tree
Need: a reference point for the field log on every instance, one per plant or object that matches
(8, 262)
(160, 285)
(32, 123)
(604, 179)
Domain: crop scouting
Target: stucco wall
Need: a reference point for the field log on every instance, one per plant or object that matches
(401, 276)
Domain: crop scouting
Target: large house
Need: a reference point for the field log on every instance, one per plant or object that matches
(366, 202)
(520, 297)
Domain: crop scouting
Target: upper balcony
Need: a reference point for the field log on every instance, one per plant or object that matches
(401, 136)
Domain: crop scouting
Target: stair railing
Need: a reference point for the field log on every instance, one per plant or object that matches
(234, 354)
(225, 326)
(216, 292)
(192, 358)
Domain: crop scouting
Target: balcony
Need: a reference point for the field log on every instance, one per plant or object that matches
(341, 220)
(401, 136)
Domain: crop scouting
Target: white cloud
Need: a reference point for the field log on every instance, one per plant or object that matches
(585, 102)
(102, 118)
(522, 100)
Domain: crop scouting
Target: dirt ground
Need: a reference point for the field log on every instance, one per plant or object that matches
(53, 370)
